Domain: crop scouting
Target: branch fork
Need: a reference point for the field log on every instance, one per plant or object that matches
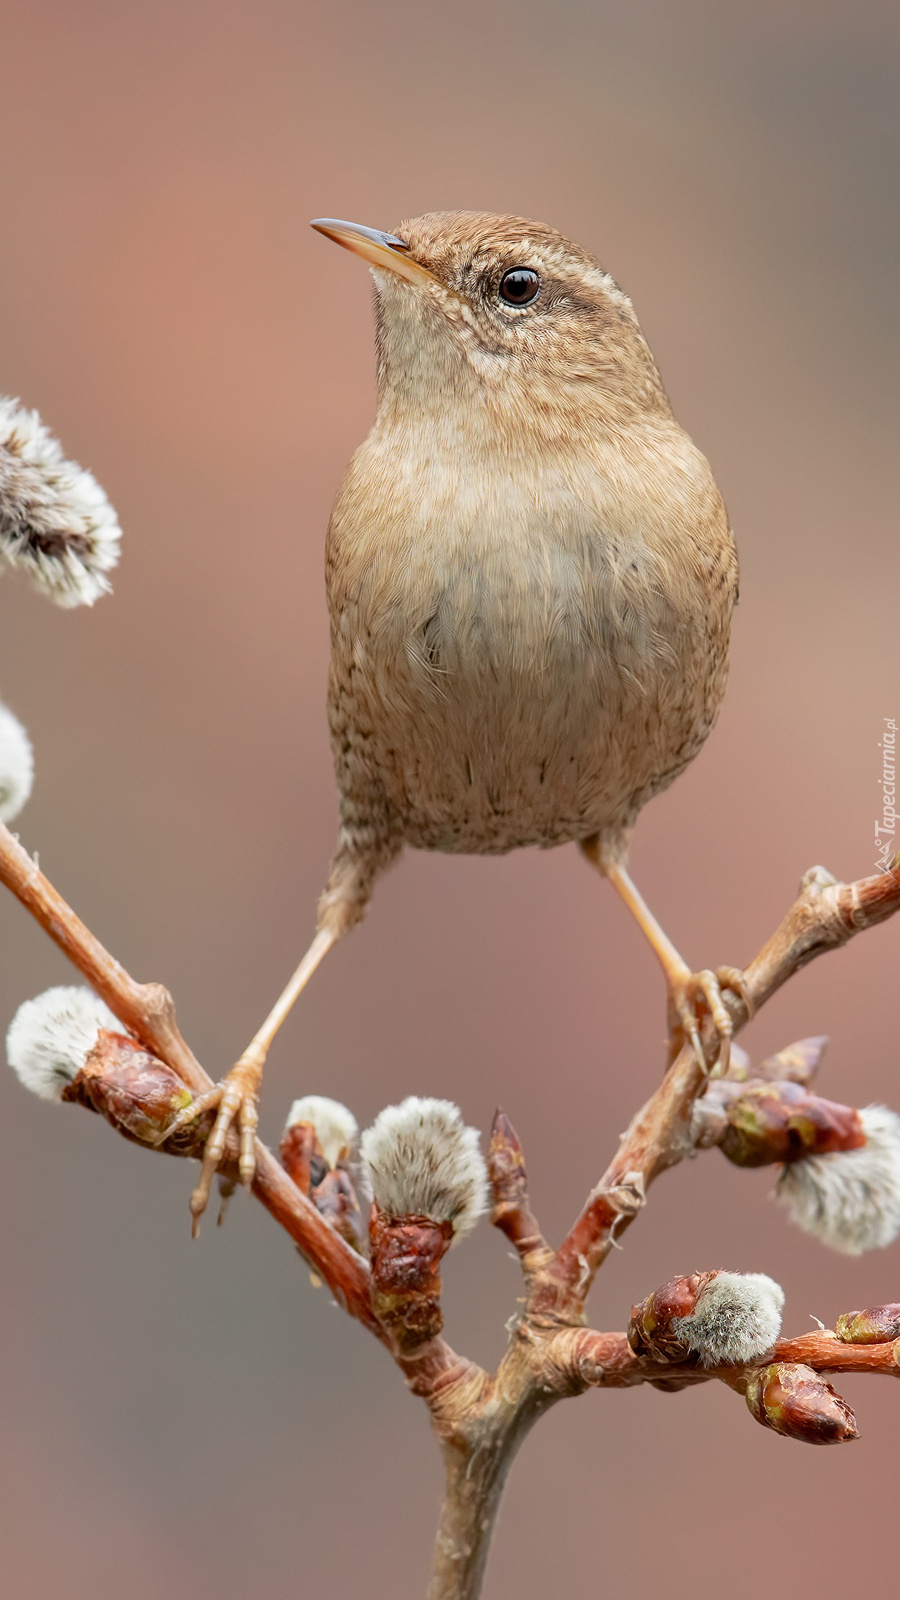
(479, 1419)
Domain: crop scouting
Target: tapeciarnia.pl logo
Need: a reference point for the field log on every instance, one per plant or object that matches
(886, 829)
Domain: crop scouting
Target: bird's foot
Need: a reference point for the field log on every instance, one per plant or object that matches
(235, 1101)
(695, 997)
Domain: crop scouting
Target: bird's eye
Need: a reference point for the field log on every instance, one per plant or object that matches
(519, 286)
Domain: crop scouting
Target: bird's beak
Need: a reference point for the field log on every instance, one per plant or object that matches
(379, 249)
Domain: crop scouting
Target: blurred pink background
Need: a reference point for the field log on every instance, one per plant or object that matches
(197, 1419)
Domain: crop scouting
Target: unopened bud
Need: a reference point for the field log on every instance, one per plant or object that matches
(335, 1126)
(717, 1318)
(782, 1122)
(50, 1037)
(16, 765)
(138, 1094)
(301, 1155)
(878, 1325)
(335, 1199)
(424, 1162)
(315, 1150)
(650, 1330)
(56, 524)
(796, 1063)
(506, 1164)
(850, 1199)
(405, 1259)
(798, 1403)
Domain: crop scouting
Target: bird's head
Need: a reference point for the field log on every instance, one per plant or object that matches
(505, 316)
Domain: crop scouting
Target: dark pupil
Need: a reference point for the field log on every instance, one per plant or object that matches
(519, 286)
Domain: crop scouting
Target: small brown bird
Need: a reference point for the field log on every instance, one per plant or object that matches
(530, 577)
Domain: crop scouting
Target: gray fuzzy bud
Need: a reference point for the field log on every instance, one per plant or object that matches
(424, 1161)
(50, 1038)
(336, 1127)
(737, 1318)
(16, 765)
(850, 1199)
(56, 524)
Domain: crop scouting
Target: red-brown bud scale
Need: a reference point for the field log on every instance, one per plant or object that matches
(798, 1403)
(877, 1325)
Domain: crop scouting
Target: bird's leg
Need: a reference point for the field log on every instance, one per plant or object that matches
(360, 856)
(690, 993)
(237, 1094)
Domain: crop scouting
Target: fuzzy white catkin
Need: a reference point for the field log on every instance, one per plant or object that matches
(424, 1161)
(16, 765)
(737, 1318)
(50, 1037)
(849, 1199)
(335, 1125)
(56, 524)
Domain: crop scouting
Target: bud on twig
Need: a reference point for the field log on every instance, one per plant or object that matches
(430, 1186)
(840, 1176)
(757, 1121)
(878, 1325)
(405, 1255)
(423, 1161)
(335, 1126)
(50, 1037)
(511, 1207)
(650, 1329)
(315, 1150)
(796, 1063)
(16, 765)
(138, 1094)
(56, 523)
(336, 1200)
(506, 1167)
(67, 1045)
(850, 1199)
(772, 1122)
(301, 1155)
(799, 1404)
(720, 1318)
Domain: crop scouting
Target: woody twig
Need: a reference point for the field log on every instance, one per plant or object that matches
(825, 915)
(148, 1013)
(429, 1186)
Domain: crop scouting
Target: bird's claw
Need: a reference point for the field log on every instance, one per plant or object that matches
(235, 1101)
(694, 996)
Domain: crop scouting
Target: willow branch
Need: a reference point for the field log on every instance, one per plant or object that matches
(589, 1360)
(147, 1011)
(480, 1420)
(825, 915)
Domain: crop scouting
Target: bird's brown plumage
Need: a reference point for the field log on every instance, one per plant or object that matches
(530, 570)
(530, 578)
